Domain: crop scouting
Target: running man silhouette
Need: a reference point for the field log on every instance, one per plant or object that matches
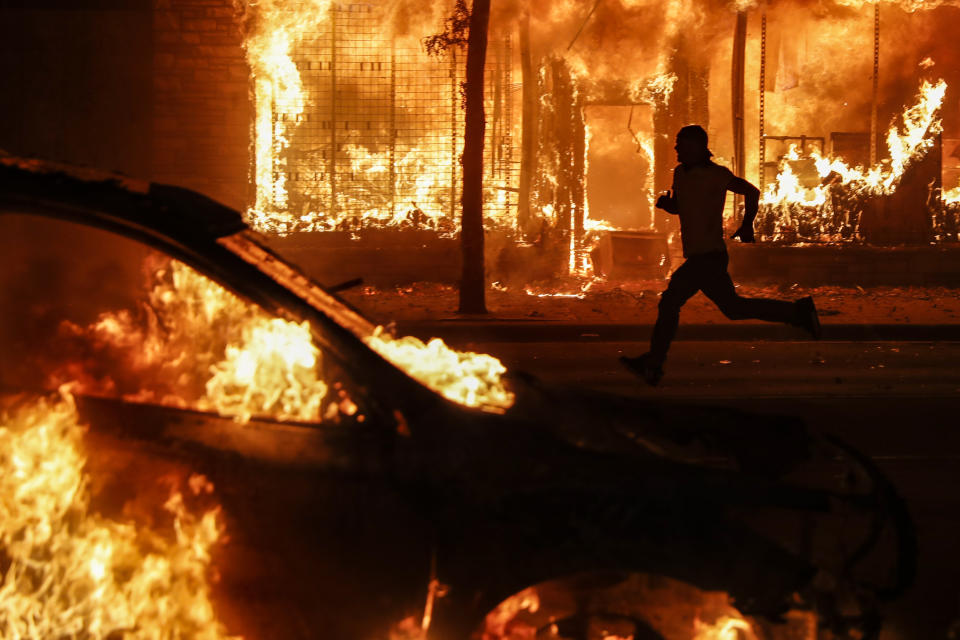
(699, 189)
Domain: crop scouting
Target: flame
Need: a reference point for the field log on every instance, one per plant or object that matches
(410, 182)
(655, 89)
(910, 6)
(196, 345)
(579, 294)
(725, 628)
(69, 572)
(470, 379)
(951, 196)
(273, 29)
(415, 174)
(906, 145)
(495, 624)
(271, 372)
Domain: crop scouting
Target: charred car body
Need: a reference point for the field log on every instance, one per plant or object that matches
(430, 508)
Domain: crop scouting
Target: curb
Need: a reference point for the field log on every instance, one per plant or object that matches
(538, 331)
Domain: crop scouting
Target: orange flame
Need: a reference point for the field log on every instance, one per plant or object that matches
(906, 145)
(196, 345)
(470, 379)
(724, 628)
(273, 30)
(951, 196)
(73, 573)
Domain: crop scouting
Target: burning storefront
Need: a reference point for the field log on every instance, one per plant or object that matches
(357, 129)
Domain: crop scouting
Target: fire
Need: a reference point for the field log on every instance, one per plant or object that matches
(194, 344)
(951, 196)
(656, 88)
(470, 379)
(579, 294)
(323, 161)
(495, 624)
(725, 628)
(271, 372)
(70, 572)
(270, 37)
(789, 201)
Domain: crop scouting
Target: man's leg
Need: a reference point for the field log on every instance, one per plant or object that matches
(718, 286)
(684, 282)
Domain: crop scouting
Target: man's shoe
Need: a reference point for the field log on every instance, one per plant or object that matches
(644, 367)
(807, 317)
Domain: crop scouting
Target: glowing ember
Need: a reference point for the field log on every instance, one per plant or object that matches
(470, 379)
(579, 294)
(791, 203)
(71, 573)
(194, 344)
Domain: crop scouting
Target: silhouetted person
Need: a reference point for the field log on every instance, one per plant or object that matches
(699, 189)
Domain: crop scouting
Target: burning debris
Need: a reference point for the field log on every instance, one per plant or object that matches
(830, 208)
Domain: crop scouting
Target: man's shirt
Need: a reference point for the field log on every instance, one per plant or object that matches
(700, 192)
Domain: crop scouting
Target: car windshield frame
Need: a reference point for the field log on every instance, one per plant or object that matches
(213, 239)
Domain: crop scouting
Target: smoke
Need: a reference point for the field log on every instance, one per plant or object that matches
(52, 271)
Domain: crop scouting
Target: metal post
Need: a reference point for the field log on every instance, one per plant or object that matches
(762, 158)
(508, 117)
(333, 110)
(453, 135)
(528, 135)
(737, 96)
(496, 79)
(393, 127)
(876, 81)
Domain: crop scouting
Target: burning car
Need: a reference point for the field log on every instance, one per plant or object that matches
(376, 486)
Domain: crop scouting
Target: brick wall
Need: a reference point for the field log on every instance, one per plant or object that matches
(202, 111)
(75, 82)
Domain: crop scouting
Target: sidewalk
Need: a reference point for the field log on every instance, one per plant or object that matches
(627, 311)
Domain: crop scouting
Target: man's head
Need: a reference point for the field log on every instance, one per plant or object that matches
(692, 145)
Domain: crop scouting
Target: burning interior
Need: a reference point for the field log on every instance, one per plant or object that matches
(849, 134)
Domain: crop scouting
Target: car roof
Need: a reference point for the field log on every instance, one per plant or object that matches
(114, 198)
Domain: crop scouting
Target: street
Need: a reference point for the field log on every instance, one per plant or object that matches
(896, 401)
(784, 374)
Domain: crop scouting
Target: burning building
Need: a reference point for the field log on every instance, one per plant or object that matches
(356, 127)
(330, 122)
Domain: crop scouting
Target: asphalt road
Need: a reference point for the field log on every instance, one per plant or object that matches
(899, 402)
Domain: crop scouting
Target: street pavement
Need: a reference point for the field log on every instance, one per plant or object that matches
(899, 402)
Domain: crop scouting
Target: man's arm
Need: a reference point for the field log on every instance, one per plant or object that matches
(751, 202)
(668, 203)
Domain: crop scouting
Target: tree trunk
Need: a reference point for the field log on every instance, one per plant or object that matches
(472, 285)
(528, 161)
(738, 83)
